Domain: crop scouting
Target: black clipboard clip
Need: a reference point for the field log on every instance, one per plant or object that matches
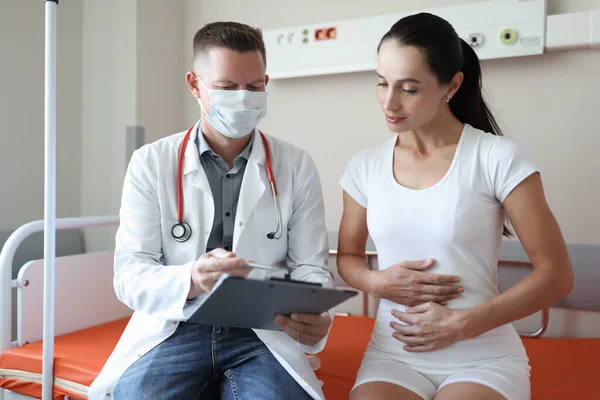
(288, 273)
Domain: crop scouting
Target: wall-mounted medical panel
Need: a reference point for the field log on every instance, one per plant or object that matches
(495, 29)
(573, 31)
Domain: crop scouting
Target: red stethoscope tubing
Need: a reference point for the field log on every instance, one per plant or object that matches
(187, 230)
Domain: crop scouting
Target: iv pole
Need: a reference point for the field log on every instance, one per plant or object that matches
(49, 197)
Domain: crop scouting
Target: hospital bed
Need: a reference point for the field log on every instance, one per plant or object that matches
(89, 321)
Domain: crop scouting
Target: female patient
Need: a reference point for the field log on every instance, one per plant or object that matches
(439, 191)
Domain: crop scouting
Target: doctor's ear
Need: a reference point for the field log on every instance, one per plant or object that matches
(193, 84)
(266, 79)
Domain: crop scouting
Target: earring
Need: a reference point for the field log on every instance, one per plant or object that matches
(448, 97)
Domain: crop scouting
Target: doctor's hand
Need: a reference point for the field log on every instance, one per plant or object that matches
(308, 329)
(209, 268)
(407, 284)
(431, 326)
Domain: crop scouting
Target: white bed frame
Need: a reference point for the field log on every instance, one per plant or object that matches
(72, 281)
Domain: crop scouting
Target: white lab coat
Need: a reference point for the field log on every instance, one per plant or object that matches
(152, 270)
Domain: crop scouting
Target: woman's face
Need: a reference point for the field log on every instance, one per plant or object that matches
(410, 94)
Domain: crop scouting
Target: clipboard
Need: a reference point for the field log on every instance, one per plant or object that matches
(248, 303)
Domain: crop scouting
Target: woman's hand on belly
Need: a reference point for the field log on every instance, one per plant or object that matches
(431, 326)
(406, 283)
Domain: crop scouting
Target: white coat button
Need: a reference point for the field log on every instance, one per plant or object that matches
(107, 394)
(241, 223)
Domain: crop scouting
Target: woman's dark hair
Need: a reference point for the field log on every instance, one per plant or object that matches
(446, 53)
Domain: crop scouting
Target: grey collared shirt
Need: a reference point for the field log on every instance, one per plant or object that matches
(225, 184)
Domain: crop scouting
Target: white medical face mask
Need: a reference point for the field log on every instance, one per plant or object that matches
(234, 113)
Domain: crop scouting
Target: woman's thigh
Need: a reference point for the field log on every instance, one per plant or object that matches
(381, 377)
(501, 380)
(383, 391)
(468, 391)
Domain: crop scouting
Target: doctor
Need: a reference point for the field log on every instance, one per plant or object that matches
(182, 215)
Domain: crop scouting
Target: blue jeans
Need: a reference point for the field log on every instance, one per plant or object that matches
(206, 362)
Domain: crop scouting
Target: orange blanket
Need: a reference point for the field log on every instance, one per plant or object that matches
(562, 369)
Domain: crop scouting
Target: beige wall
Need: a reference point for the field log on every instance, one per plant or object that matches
(547, 104)
(132, 64)
(160, 72)
(109, 105)
(22, 111)
(121, 64)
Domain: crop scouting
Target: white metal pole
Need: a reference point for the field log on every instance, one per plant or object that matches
(49, 198)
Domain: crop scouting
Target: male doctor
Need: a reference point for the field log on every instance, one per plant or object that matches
(228, 204)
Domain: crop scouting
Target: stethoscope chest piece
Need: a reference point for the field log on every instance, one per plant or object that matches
(181, 231)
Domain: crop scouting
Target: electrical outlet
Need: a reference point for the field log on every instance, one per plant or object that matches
(475, 40)
(508, 36)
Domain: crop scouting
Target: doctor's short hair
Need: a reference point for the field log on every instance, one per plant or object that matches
(230, 35)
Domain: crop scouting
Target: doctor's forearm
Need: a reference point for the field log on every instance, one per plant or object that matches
(156, 290)
(540, 289)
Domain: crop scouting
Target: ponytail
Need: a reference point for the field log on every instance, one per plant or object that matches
(468, 104)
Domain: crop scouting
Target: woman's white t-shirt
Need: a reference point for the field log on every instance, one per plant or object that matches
(457, 222)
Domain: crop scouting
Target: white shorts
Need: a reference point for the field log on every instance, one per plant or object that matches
(509, 377)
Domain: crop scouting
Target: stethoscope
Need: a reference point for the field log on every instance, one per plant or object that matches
(182, 231)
